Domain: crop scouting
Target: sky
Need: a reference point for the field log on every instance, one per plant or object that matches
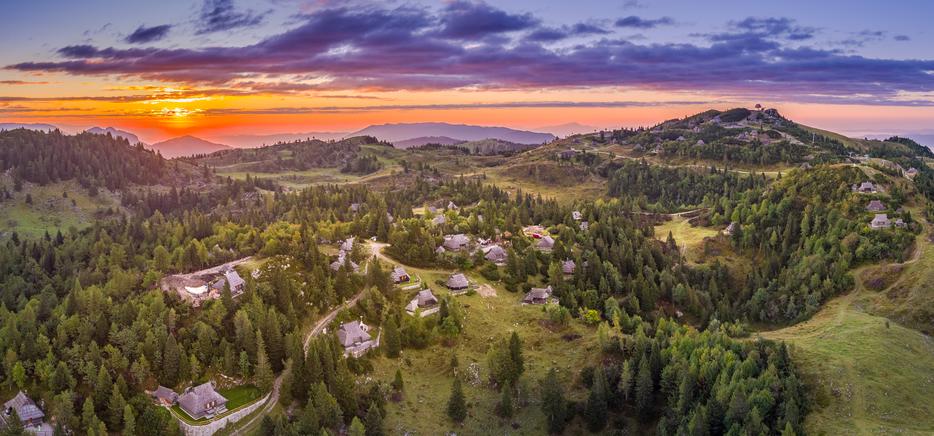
(225, 67)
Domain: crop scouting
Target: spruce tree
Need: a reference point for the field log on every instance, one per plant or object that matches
(554, 404)
(597, 409)
(392, 338)
(644, 387)
(356, 428)
(374, 421)
(457, 405)
(170, 358)
(263, 374)
(504, 407)
(397, 383)
(115, 409)
(129, 421)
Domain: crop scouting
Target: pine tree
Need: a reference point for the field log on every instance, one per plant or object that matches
(644, 387)
(170, 361)
(515, 352)
(504, 407)
(596, 412)
(553, 403)
(625, 380)
(457, 405)
(374, 421)
(356, 428)
(397, 383)
(87, 413)
(392, 338)
(129, 421)
(264, 376)
(327, 410)
(115, 409)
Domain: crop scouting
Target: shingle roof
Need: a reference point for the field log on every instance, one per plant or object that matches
(426, 298)
(538, 294)
(195, 400)
(568, 266)
(397, 273)
(875, 205)
(438, 220)
(25, 408)
(164, 393)
(457, 281)
(546, 242)
(456, 242)
(233, 278)
(351, 333)
(495, 253)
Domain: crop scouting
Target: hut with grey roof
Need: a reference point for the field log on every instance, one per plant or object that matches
(202, 401)
(355, 337)
(538, 296)
(457, 282)
(26, 410)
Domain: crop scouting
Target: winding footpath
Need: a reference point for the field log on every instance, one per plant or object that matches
(319, 327)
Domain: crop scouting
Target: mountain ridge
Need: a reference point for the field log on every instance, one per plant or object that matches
(394, 132)
(187, 145)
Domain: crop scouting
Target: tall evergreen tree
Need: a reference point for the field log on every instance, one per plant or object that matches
(263, 374)
(597, 408)
(457, 405)
(554, 404)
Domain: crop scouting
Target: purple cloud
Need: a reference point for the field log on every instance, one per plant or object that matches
(635, 22)
(549, 34)
(145, 35)
(419, 49)
(220, 15)
(466, 20)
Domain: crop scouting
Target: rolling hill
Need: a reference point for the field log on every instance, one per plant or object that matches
(187, 146)
(423, 140)
(405, 131)
(253, 141)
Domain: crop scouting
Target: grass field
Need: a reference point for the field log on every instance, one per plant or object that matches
(689, 238)
(909, 297)
(868, 375)
(428, 378)
(50, 211)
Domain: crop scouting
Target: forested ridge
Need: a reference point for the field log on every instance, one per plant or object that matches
(99, 161)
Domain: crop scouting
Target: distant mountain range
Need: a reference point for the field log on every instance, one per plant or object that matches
(42, 127)
(116, 133)
(567, 129)
(253, 141)
(187, 146)
(401, 133)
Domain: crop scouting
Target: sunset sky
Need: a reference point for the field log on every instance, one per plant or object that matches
(219, 67)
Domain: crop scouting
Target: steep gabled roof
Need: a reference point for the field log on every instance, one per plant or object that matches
(195, 400)
(352, 332)
(457, 281)
(25, 408)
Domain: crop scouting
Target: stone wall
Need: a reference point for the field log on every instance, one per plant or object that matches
(214, 426)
